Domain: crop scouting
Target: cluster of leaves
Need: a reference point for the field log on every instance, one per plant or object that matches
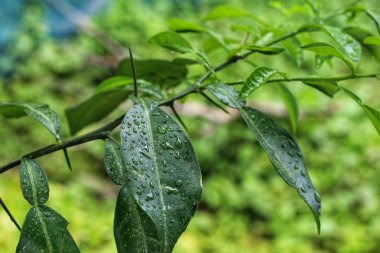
(154, 163)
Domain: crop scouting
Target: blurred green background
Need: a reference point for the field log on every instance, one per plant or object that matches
(246, 206)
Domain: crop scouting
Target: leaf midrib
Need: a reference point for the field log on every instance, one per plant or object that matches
(44, 230)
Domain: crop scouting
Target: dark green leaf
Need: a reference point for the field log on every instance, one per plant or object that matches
(134, 229)
(291, 105)
(181, 25)
(257, 79)
(327, 88)
(373, 115)
(184, 61)
(34, 183)
(264, 50)
(349, 45)
(114, 162)
(172, 41)
(226, 94)
(226, 11)
(163, 171)
(325, 49)
(285, 156)
(114, 83)
(372, 40)
(164, 73)
(40, 112)
(44, 230)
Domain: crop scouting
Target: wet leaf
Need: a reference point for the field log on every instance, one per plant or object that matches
(40, 112)
(291, 105)
(163, 172)
(34, 183)
(257, 79)
(134, 230)
(44, 230)
(285, 156)
(325, 49)
(226, 94)
(326, 87)
(172, 41)
(113, 162)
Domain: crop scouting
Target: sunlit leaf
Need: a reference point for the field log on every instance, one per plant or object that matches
(226, 94)
(182, 25)
(163, 172)
(285, 156)
(326, 87)
(134, 230)
(113, 162)
(264, 50)
(172, 41)
(291, 105)
(44, 230)
(203, 60)
(372, 40)
(114, 83)
(33, 181)
(373, 115)
(257, 79)
(226, 11)
(351, 95)
(325, 49)
(293, 47)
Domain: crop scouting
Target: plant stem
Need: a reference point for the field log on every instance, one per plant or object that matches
(133, 67)
(9, 214)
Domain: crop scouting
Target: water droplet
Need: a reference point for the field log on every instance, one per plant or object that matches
(303, 173)
(135, 161)
(167, 146)
(296, 167)
(170, 190)
(178, 183)
(178, 143)
(149, 196)
(161, 129)
(317, 197)
(176, 155)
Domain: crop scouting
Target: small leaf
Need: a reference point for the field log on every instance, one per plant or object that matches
(159, 72)
(44, 230)
(204, 61)
(114, 83)
(375, 18)
(172, 41)
(34, 183)
(257, 79)
(350, 46)
(181, 25)
(264, 50)
(325, 49)
(162, 170)
(373, 115)
(40, 112)
(291, 105)
(351, 95)
(285, 156)
(114, 162)
(293, 47)
(226, 94)
(134, 230)
(226, 11)
(372, 40)
(326, 87)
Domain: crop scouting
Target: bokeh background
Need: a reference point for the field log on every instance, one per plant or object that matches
(57, 52)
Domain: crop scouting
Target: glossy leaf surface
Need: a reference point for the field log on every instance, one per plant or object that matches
(34, 183)
(172, 41)
(372, 40)
(163, 171)
(285, 156)
(44, 230)
(226, 11)
(182, 25)
(113, 162)
(40, 112)
(257, 79)
(327, 88)
(134, 230)
(325, 49)
(226, 94)
(291, 105)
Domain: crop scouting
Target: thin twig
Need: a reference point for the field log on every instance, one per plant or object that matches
(9, 214)
(213, 102)
(177, 116)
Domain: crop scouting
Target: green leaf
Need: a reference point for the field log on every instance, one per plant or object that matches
(163, 172)
(94, 109)
(134, 230)
(257, 79)
(325, 49)
(40, 112)
(293, 47)
(285, 156)
(291, 105)
(163, 73)
(34, 183)
(181, 25)
(372, 40)
(226, 94)
(114, 83)
(44, 230)
(172, 41)
(264, 50)
(349, 45)
(204, 61)
(226, 11)
(375, 18)
(373, 115)
(113, 162)
(326, 87)
(352, 95)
